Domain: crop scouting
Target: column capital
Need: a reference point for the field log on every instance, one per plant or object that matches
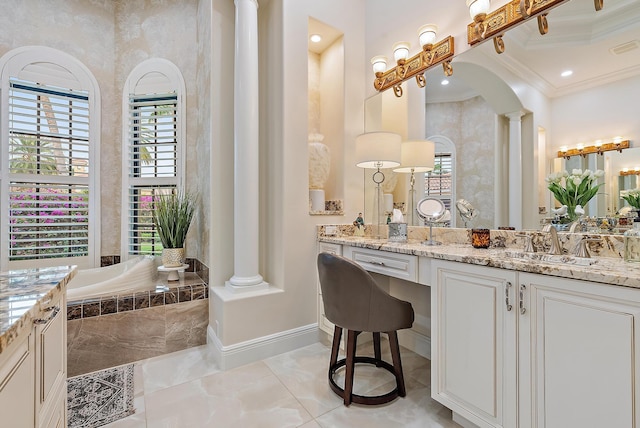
(515, 115)
(255, 2)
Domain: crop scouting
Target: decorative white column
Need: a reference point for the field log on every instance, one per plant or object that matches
(515, 169)
(246, 231)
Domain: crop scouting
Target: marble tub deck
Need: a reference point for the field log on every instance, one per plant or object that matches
(186, 389)
(115, 330)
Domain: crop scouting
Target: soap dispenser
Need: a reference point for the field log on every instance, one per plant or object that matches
(632, 241)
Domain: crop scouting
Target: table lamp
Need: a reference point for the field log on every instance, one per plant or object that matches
(416, 156)
(376, 150)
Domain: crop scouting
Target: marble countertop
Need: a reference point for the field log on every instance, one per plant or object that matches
(23, 296)
(607, 270)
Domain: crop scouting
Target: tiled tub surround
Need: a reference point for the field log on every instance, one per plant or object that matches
(195, 265)
(607, 252)
(23, 296)
(114, 330)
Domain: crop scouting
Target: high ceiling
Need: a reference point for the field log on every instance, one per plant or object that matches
(599, 47)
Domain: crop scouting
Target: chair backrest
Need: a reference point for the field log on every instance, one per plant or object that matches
(352, 299)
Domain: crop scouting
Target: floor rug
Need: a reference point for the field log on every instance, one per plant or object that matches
(98, 398)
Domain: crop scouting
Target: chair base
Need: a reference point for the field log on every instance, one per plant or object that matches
(363, 399)
(350, 361)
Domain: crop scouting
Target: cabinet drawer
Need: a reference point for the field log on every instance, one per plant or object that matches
(328, 247)
(403, 266)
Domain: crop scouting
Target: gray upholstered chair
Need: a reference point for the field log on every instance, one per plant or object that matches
(354, 302)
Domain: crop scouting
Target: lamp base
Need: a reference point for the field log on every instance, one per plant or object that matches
(430, 242)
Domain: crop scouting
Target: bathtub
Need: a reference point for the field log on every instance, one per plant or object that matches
(140, 273)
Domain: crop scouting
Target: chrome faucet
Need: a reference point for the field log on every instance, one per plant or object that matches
(555, 247)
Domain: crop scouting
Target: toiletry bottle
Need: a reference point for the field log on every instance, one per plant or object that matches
(632, 241)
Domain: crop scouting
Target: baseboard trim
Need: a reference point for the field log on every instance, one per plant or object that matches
(238, 354)
(416, 342)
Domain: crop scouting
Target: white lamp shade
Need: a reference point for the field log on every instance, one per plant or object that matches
(401, 51)
(378, 150)
(478, 6)
(379, 64)
(418, 156)
(427, 34)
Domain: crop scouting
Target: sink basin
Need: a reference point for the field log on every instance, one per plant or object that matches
(549, 258)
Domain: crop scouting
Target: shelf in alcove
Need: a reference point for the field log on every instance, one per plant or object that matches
(326, 212)
(332, 207)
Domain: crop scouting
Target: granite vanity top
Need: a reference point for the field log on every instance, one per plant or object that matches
(24, 294)
(607, 270)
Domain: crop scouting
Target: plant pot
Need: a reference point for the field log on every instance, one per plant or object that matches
(172, 257)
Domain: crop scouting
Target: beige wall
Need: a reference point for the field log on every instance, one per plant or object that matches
(470, 124)
(287, 232)
(111, 38)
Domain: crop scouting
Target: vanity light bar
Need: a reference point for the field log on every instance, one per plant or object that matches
(606, 147)
(429, 56)
(493, 24)
(630, 171)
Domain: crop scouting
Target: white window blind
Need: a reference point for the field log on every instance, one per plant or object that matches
(152, 165)
(152, 148)
(48, 165)
(438, 183)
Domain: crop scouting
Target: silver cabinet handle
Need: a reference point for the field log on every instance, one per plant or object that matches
(54, 311)
(373, 262)
(506, 292)
(522, 290)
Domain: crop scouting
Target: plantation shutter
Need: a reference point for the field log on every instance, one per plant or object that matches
(438, 183)
(152, 165)
(48, 172)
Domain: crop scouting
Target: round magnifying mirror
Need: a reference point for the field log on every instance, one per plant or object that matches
(431, 210)
(466, 210)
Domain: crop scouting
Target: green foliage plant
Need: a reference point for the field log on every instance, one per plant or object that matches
(172, 215)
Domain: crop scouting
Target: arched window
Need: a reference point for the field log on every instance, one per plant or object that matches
(153, 160)
(441, 183)
(49, 160)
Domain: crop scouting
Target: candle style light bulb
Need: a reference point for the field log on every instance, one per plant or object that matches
(379, 64)
(427, 34)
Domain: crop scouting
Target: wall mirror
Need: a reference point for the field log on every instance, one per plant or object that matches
(602, 48)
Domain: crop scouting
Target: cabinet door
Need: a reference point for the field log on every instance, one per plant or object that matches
(17, 385)
(473, 342)
(51, 352)
(584, 351)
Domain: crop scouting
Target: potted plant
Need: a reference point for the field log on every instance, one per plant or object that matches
(172, 216)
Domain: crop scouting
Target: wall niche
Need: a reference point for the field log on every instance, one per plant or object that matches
(325, 119)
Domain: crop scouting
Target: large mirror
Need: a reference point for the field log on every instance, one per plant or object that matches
(599, 101)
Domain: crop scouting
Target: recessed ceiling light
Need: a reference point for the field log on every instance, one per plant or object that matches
(315, 38)
(444, 82)
(566, 73)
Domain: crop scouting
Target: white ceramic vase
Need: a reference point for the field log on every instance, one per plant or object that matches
(319, 162)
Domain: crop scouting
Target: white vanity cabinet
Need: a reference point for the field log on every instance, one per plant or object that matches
(51, 364)
(33, 381)
(323, 323)
(580, 343)
(17, 384)
(473, 342)
(524, 350)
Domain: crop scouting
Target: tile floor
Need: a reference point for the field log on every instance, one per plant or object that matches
(185, 389)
